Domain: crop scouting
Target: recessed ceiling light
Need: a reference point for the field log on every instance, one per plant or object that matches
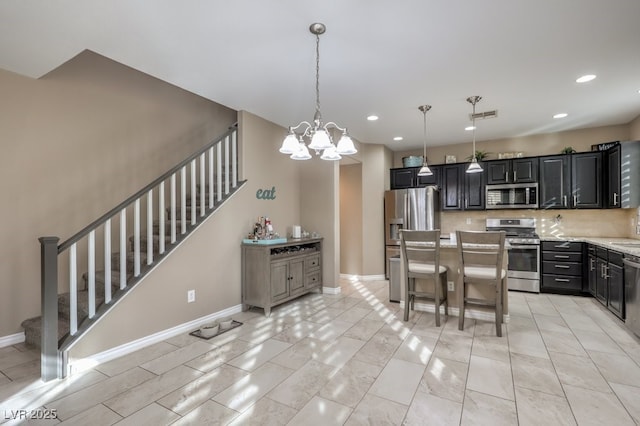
(469, 128)
(398, 138)
(372, 117)
(561, 115)
(585, 78)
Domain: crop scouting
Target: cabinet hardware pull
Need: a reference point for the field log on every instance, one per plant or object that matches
(575, 200)
(562, 266)
(592, 263)
(615, 198)
(506, 176)
(514, 176)
(562, 280)
(564, 198)
(561, 256)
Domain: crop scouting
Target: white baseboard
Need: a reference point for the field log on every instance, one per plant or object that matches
(363, 277)
(331, 290)
(11, 339)
(76, 365)
(468, 313)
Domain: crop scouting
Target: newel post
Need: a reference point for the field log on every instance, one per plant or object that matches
(49, 364)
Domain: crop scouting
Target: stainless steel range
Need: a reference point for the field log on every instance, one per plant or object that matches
(524, 255)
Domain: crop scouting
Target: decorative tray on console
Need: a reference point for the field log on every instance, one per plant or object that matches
(265, 242)
(234, 324)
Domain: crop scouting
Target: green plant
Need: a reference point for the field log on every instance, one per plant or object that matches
(480, 155)
(567, 150)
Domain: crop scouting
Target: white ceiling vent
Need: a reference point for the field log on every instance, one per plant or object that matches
(485, 114)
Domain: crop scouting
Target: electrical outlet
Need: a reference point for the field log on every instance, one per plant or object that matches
(191, 296)
(450, 286)
(468, 221)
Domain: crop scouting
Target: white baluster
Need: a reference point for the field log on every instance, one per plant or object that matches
(219, 170)
(194, 206)
(107, 261)
(211, 201)
(173, 208)
(150, 227)
(161, 218)
(136, 238)
(73, 290)
(203, 187)
(91, 258)
(234, 159)
(226, 165)
(123, 248)
(183, 200)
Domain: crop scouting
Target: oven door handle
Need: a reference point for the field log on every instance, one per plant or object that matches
(526, 247)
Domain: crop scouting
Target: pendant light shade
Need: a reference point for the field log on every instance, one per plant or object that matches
(474, 167)
(424, 170)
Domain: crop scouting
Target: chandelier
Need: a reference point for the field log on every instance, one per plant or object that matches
(474, 167)
(425, 170)
(316, 132)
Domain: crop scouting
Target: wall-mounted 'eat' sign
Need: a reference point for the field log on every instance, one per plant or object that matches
(266, 194)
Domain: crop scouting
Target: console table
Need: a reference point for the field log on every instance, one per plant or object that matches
(276, 273)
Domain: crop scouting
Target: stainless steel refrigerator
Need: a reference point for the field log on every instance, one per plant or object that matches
(413, 208)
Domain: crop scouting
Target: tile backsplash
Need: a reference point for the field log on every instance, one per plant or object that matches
(618, 223)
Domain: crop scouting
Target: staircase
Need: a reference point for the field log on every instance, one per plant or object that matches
(115, 256)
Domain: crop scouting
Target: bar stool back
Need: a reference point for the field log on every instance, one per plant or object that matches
(421, 259)
(480, 261)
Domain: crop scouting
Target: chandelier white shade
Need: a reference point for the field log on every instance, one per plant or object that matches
(474, 167)
(317, 132)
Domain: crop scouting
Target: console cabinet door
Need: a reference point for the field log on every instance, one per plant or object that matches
(296, 275)
(279, 280)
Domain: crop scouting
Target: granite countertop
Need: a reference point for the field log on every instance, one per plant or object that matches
(448, 243)
(622, 245)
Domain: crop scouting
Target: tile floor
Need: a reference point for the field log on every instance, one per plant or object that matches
(350, 359)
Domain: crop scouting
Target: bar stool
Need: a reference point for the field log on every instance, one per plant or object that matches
(421, 259)
(480, 256)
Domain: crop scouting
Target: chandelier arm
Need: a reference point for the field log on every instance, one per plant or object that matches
(302, 123)
(333, 124)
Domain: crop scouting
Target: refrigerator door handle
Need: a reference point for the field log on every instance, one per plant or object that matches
(407, 216)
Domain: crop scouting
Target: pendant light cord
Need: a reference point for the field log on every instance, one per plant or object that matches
(318, 76)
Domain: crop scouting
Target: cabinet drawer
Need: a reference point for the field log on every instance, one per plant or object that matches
(312, 262)
(561, 246)
(560, 282)
(562, 268)
(554, 256)
(615, 258)
(311, 280)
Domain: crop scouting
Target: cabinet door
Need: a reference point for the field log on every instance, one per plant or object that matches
(434, 179)
(586, 178)
(452, 187)
(279, 280)
(616, 290)
(524, 170)
(474, 191)
(403, 178)
(601, 280)
(593, 274)
(296, 275)
(613, 176)
(498, 171)
(555, 182)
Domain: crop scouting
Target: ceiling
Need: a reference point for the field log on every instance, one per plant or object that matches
(376, 57)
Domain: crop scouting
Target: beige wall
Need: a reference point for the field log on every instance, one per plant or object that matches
(634, 129)
(541, 144)
(74, 144)
(351, 219)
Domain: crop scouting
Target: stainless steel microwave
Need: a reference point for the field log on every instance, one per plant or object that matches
(512, 196)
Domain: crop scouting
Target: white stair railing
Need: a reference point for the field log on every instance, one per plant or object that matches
(111, 275)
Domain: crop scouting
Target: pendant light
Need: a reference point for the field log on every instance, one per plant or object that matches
(317, 131)
(425, 170)
(474, 167)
